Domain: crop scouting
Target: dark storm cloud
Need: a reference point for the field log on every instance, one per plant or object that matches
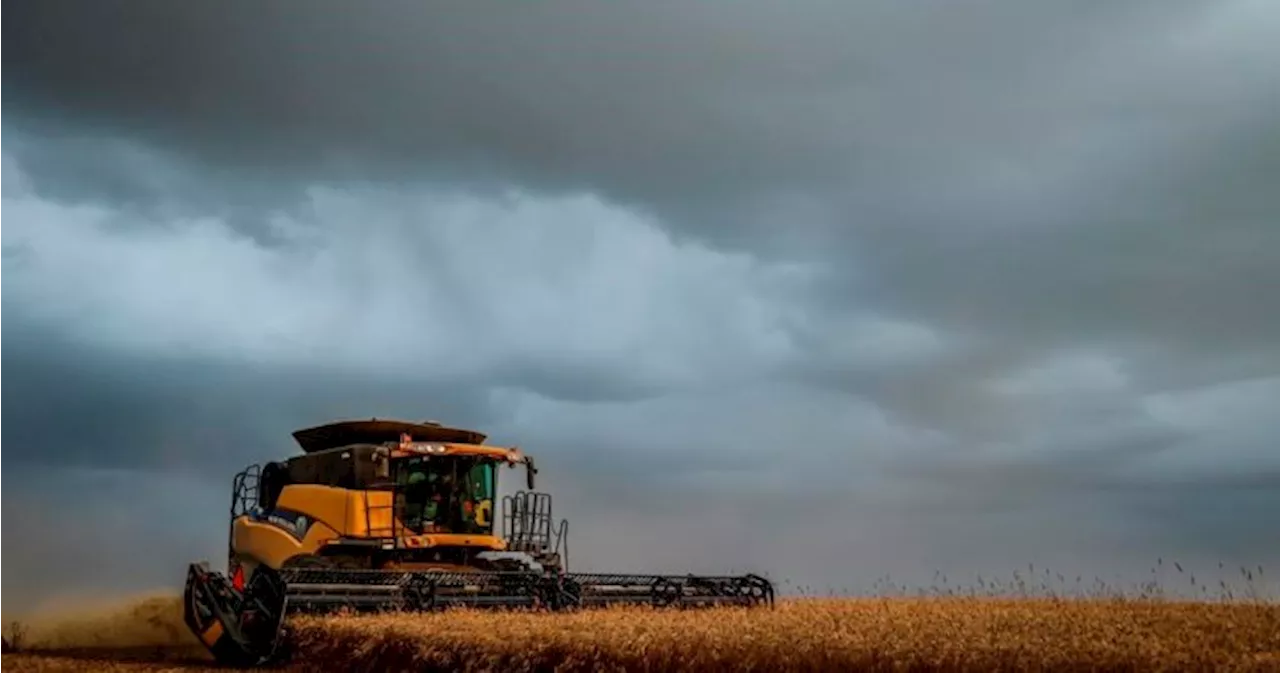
(666, 103)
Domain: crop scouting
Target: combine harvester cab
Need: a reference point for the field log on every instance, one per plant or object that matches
(384, 515)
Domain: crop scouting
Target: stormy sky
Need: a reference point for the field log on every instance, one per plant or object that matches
(825, 290)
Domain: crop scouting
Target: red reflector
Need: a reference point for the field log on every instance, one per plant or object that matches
(237, 579)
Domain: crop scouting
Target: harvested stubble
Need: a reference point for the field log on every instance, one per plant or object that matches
(952, 634)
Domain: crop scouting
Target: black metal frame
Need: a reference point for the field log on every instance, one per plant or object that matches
(528, 526)
(244, 498)
(311, 590)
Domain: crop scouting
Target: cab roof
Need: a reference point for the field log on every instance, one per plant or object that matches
(377, 431)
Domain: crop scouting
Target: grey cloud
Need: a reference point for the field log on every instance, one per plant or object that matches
(571, 297)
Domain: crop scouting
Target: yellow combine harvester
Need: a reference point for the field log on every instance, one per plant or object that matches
(390, 515)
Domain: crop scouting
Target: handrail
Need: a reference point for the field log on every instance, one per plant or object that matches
(391, 530)
(244, 498)
(562, 544)
(527, 525)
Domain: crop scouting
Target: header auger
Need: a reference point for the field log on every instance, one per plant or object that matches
(383, 515)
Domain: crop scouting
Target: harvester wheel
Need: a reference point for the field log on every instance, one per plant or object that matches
(666, 593)
(563, 593)
(758, 588)
(420, 594)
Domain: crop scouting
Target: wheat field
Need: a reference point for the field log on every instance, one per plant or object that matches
(871, 634)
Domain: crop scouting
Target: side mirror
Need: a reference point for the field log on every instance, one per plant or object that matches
(529, 471)
(382, 464)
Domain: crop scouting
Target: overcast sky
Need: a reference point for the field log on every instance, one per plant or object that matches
(829, 290)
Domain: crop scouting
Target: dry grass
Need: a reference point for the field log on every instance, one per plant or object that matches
(874, 634)
(949, 634)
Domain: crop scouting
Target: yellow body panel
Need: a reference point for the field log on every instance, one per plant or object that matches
(328, 504)
(262, 542)
(332, 513)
